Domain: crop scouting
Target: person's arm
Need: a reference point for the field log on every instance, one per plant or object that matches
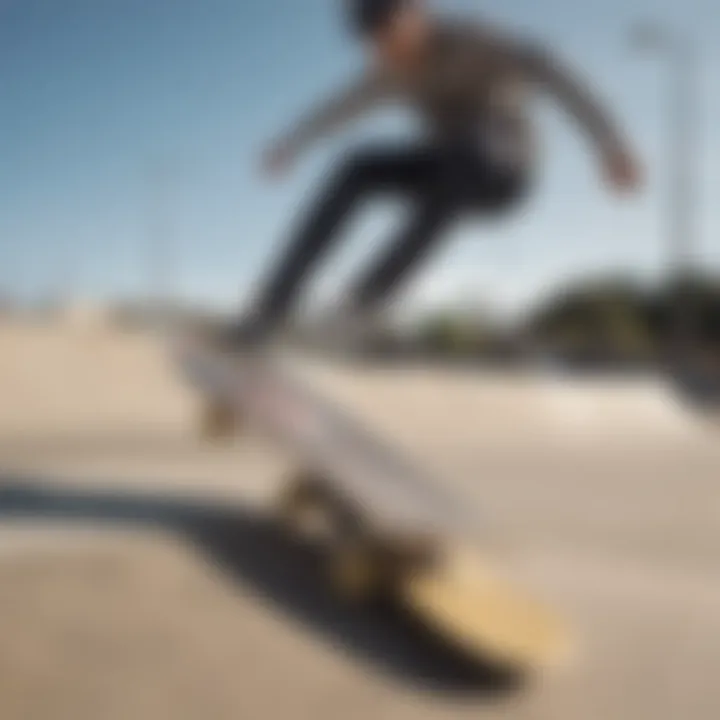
(543, 67)
(336, 112)
(619, 163)
(531, 63)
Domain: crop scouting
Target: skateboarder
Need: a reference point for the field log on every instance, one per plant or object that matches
(470, 85)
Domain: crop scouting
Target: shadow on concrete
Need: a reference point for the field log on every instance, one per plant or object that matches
(284, 572)
(699, 391)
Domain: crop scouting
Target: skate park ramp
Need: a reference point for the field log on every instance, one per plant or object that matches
(138, 576)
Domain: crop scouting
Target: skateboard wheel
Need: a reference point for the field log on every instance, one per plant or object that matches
(305, 498)
(354, 573)
(219, 422)
(310, 506)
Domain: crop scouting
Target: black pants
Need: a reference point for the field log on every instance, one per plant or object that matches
(442, 183)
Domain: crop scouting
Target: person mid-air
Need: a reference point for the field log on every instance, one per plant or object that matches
(470, 85)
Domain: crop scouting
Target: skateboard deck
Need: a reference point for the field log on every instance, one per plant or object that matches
(391, 531)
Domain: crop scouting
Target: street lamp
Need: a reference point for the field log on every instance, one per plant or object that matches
(679, 50)
(162, 255)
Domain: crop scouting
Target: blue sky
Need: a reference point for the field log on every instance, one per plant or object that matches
(127, 120)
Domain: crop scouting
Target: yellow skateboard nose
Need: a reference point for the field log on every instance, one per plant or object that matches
(464, 600)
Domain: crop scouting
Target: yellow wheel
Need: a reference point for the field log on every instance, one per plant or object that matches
(219, 422)
(310, 507)
(354, 572)
(304, 505)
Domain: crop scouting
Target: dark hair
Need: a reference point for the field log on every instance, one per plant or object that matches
(367, 17)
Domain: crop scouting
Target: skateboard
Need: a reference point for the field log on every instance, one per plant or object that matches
(390, 533)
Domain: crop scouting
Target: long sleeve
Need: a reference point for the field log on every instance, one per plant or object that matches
(573, 94)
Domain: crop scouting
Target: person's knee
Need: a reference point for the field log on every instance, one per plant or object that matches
(513, 192)
(502, 193)
(355, 169)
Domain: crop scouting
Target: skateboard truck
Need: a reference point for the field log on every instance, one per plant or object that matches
(219, 421)
(363, 564)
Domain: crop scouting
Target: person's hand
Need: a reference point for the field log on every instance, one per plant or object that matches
(622, 171)
(277, 160)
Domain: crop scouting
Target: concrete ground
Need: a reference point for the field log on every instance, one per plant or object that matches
(140, 576)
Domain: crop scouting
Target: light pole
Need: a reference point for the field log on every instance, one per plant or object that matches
(680, 52)
(162, 249)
